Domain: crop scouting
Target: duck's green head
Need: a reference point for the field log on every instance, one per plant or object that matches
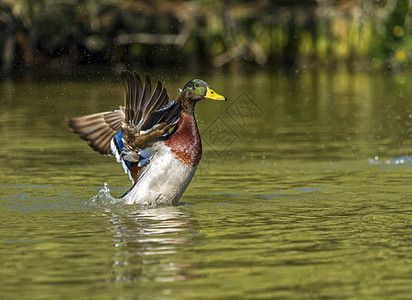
(197, 89)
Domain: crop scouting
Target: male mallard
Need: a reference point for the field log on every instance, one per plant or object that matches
(156, 140)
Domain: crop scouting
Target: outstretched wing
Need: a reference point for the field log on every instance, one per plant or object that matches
(149, 118)
(99, 129)
(130, 132)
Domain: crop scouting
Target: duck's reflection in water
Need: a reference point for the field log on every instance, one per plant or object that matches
(150, 244)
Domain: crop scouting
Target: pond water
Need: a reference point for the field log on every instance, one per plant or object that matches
(303, 192)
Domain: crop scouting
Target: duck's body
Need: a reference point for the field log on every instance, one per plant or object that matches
(160, 163)
(172, 167)
(164, 180)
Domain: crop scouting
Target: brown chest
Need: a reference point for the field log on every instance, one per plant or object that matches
(185, 143)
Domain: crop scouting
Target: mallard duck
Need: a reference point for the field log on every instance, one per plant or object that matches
(156, 140)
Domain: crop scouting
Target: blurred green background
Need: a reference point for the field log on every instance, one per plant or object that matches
(41, 37)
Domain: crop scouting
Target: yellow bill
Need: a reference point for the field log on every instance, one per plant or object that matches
(212, 95)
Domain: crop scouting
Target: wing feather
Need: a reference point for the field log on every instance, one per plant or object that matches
(147, 91)
(138, 101)
(98, 129)
(162, 98)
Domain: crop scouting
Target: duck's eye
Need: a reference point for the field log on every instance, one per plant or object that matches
(196, 85)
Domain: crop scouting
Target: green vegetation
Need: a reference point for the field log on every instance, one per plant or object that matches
(62, 36)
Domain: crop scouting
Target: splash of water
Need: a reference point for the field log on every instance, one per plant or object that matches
(103, 197)
(105, 200)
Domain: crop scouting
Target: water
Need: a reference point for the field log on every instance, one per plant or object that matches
(303, 192)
